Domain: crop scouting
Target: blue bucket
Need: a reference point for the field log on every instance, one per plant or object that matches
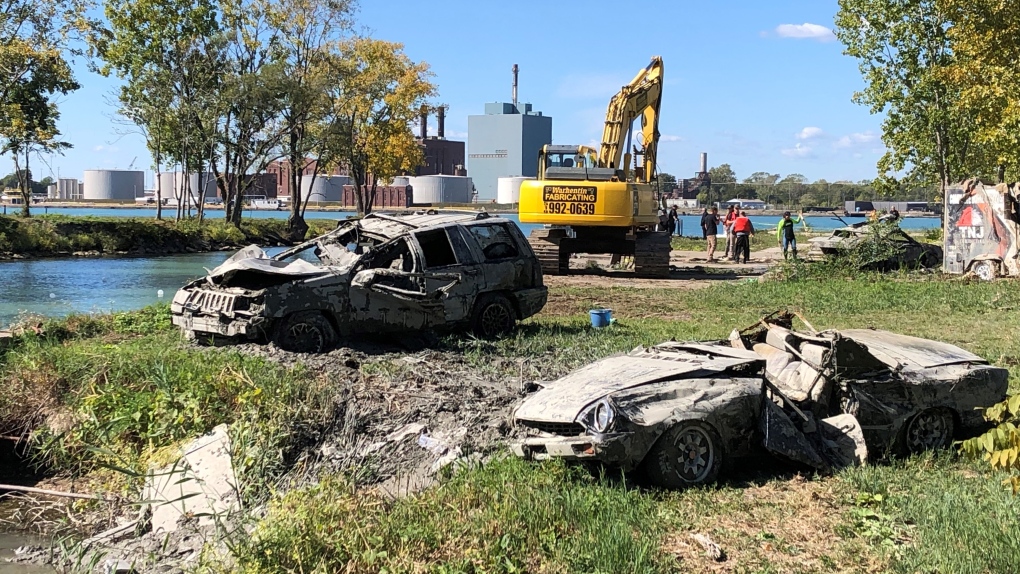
(600, 317)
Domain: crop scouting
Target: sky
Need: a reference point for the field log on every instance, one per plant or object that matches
(761, 86)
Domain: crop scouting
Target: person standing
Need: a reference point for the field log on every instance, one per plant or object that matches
(704, 214)
(785, 235)
(710, 224)
(743, 231)
(671, 219)
(731, 215)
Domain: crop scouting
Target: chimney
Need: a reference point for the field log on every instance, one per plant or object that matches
(515, 88)
(424, 123)
(704, 162)
(441, 117)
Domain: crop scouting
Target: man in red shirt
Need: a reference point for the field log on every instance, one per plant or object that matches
(743, 231)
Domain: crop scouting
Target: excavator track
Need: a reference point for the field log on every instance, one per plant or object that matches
(546, 245)
(651, 253)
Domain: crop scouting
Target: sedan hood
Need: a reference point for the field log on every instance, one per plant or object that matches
(563, 400)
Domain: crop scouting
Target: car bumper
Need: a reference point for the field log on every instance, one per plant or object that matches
(223, 326)
(531, 301)
(615, 449)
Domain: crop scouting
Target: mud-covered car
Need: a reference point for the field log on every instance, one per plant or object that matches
(677, 411)
(890, 246)
(381, 273)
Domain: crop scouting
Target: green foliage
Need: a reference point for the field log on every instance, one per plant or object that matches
(508, 516)
(1000, 446)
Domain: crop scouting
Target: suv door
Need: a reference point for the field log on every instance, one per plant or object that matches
(445, 251)
(508, 264)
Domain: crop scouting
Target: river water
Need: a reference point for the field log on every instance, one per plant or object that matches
(56, 287)
(8, 544)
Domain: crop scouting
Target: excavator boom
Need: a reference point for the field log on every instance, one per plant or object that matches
(641, 97)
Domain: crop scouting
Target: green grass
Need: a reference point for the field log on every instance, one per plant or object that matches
(61, 234)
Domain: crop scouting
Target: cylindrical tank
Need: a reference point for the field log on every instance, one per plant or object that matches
(66, 188)
(508, 189)
(113, 185)
(198, 181)
(401, 181)
(167, 185)
(51, 191)
(441, 189)
(324, 188)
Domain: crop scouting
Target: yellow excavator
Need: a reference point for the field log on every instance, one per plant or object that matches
(598, 202)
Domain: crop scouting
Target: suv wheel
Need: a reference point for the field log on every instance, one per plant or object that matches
(493, 316)
(305, 332)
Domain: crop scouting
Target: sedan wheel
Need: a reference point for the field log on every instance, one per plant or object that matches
(687, 454)
(931, 429)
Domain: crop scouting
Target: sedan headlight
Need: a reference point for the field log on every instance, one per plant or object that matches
(599, 417)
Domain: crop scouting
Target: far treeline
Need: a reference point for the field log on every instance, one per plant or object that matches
(228, 86)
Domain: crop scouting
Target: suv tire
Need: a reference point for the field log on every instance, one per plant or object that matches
(493, 316)
(305, 332)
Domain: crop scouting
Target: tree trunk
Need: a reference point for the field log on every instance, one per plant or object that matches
(24, 185)
(1000, 174)
(296, 225)
(159, 191)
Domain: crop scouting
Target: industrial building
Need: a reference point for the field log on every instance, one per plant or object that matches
(174, 186)
(442, 156)
(64, 189)
(386, 197)
(281, 169)
(113, 185)
(505, 143)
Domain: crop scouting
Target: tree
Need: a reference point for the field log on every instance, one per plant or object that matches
(667, 182)
(985, 36)
(377, 96)
(904, 52)
(33, 70)
(722, 178)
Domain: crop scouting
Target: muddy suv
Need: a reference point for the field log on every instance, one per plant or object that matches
(379, 274)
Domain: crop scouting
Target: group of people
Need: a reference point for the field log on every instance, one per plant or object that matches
(739, 230)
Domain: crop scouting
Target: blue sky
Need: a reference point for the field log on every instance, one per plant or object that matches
(763, 86)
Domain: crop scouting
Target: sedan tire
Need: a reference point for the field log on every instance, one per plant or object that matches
(687, 454)
(930, 429)
(305, 332)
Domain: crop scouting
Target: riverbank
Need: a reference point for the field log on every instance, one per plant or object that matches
(322, 442)
(63, 236)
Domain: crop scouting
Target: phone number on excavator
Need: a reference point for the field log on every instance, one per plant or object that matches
(571, 208)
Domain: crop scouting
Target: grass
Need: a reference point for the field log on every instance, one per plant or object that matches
(126, 384)
(61, 234)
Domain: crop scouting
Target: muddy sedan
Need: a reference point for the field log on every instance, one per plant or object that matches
(378, 274)
(677, 411)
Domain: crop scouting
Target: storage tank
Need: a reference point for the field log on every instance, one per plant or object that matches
(113, 185)
(324, 188)
(66, 188)
(400, 181)
(441, 189)
(166, 184)
(51, 191)
(508, 189)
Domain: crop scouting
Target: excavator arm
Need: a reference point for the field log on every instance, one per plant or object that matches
(641, 97)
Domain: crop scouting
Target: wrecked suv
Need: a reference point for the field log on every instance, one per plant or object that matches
(677, 411)
(378, 274)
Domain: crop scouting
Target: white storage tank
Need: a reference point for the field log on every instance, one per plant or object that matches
(167, 185)
(66, 188)
(324, 188)
(173, 185)
(441, 188)
(401, 181)
(113, 185)
(51, 191)
(508, 189)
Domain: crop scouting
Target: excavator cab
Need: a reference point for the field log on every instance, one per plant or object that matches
(564, 162)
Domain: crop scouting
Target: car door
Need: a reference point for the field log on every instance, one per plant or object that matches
(388, 292)
(502, 263)
(444, 251)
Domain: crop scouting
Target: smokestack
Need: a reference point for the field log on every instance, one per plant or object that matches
(441, 116)
(704, 162)
(424, 122)
(515, 87)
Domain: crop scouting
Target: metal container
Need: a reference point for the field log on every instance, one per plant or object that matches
(113, 185)
(441, 189)
(508, 189)
(325, 188)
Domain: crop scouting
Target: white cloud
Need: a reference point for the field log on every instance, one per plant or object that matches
(805, 30)
(664, 138)
(855, 139)
(810, 132)
(798, 151)
(106, 148)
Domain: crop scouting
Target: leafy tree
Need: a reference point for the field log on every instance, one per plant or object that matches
(904, 51)
(1000, 446)
(722, 177)
(667, 182)
(985, 37)
(377, 97)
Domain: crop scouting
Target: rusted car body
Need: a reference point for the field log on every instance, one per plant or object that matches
(378, 274)
(827, 400)
(903, 250)
(982, 229)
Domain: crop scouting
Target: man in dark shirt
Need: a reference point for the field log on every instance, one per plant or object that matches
(710, 225)
(704, 214)
(671, 219)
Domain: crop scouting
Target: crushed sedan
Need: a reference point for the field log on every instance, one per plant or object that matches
(677, 411)
(382, 273)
